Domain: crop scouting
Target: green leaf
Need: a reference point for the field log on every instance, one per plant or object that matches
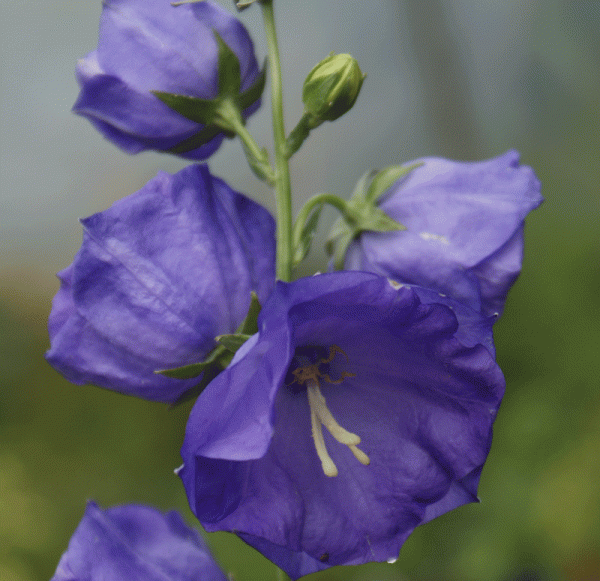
(253, 93)
(203, 136)
(382, 181)
(198, 110)
(378, 221)
(230, 79)
(307, 234)
(249, 325)
(233, 341)
(194, 369)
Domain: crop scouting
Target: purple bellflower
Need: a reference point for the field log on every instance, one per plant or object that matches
(361, 409)
(149, 45)
(464, 229)
(135, 543)
(159, 275)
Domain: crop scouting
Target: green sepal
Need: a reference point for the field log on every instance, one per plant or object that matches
(249, 325)
(220, 357)
(254, 92)
(362, 213)
(224, 112)
(197, 110)
(382, 181)
(196, 369)
(182, 2)
(230, 79)
(195, 141)
(233, 341)
(304, 240)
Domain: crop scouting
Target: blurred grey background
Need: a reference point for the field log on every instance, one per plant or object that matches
(460, 78)
(464, 79)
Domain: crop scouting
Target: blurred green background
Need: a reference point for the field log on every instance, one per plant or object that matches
(456, 78)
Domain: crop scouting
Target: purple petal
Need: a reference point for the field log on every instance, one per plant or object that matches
(136, 543)
(160, 275)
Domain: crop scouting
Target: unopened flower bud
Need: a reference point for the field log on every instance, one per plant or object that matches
(332, 87)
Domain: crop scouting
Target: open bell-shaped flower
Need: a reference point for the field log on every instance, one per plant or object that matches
(159, 275)
(361, 409)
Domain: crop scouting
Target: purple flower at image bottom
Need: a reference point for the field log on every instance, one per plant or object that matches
(360, 410)
(464, 229)
(149, 45)
(135, 543)
(159, 275)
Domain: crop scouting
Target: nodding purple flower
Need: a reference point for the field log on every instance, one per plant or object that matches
(149, 45)
(464, 229)
(159, 275)
(361, 409)
(136, 543)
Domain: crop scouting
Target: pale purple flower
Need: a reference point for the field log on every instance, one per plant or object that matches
(159, 275)
(464, 229)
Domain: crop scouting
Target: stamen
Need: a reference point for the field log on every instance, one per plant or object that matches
(321, 416)
(328, 465)
(318, 404)
(360, 456)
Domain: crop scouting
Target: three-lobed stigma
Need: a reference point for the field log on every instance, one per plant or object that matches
(321, 416)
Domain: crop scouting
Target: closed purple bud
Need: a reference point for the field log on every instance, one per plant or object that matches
(149, 45)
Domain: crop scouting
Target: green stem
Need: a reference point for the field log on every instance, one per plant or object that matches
(258, 159)
(283, 190)
(316, 200)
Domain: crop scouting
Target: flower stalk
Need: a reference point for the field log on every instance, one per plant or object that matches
(282, 184)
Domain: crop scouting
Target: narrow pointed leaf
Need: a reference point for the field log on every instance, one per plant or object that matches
(230, 79)
(249, 325)
(197, 110)
(253, 94)
(233, 342)
(387, 177)
(308, 232)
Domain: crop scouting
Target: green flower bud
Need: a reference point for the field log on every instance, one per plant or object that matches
(332, 87)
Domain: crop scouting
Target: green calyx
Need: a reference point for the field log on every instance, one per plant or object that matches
(224, 112)
(220, 357)
(362, 214)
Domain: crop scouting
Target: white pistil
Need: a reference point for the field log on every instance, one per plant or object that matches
(320, 414)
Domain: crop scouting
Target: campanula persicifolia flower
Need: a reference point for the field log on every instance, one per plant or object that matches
(136, 543)
(159, 275)
(464, 229)
(361, 409)
(149, 45)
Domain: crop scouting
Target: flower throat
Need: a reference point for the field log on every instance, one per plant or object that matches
(310, 375)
